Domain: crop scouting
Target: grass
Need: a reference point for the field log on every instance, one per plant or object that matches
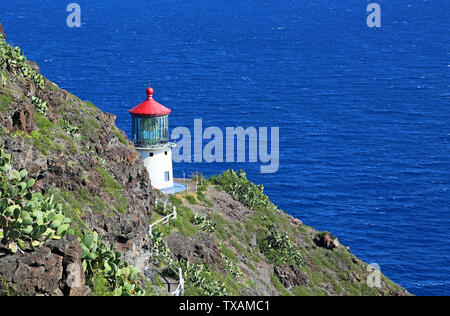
(120, 136)
(5, 101)
(75, 205)
(239, 248)
(114, 190)
(100, 286)
(221, 226)
(191, 199)
(7, 289)
(182, 223)
(43, 143)
(201, 196)
(228, 252)
(147, 286)
(90, 129)
(278, 285)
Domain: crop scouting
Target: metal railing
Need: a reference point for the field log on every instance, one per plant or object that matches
(168, 261)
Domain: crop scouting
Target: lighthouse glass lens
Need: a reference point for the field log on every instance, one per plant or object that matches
(150, 131)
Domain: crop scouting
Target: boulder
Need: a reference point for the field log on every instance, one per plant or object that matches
(289, 276)
(326, 240)
(52, 270)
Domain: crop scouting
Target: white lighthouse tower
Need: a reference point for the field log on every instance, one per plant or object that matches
(150, 132)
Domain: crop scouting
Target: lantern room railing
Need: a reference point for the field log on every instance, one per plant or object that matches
(150, 132)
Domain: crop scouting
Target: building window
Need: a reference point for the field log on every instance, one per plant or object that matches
(167, 176)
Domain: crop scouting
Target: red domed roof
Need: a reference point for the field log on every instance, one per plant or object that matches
(150, 107)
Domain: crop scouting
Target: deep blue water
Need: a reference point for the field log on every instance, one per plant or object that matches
(363, 113)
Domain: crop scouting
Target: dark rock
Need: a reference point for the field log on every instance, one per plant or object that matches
(54, 269)
(289, 276)
(202, 249)
(326, 240)
(297, 222)
(72, 166)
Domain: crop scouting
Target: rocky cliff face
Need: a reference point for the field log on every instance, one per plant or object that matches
(75, 152)
(54, 269)
(226, 243)
(263, 251)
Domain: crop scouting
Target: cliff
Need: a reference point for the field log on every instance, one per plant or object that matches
(228, 237)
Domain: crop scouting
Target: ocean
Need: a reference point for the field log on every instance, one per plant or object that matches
(363, 112)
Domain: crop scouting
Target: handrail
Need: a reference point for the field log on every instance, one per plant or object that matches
(168, 261)
(165, 219)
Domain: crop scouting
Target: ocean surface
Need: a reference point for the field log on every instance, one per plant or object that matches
(363, 113)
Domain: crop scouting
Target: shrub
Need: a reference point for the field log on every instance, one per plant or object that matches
(40, 105)
(3, 78)
(27, 219)
(175, 201)
(205, 224)
(158, 243)
(105, 270)
(13, 59)
(69, 128)
(191, 199)
(242, 190)
(232, 267)
(277, 247)
(200, 281)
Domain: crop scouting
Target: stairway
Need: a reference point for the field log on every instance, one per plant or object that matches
(157, 257)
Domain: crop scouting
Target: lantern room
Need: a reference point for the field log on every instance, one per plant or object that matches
(150, 123)
(150, 134)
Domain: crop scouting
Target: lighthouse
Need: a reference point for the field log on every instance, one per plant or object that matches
(150, 133)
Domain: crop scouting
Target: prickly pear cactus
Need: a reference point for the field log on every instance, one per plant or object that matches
(27, 219)
(13, 59)
(98, 258)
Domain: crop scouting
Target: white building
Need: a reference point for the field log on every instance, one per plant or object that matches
(150, 133)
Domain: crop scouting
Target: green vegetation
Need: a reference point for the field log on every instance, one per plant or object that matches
(42, 142)
(158, 243)
(13, 58)
(277, 284)
(191, 199)
(228, 252)
(221, 226)
(242, 190)
(90, 129)
(41, 138)
(69, 128)
(5, 101)
(205, 224)
(114, 190)
(232, 267)
(119, 135)
(3, 78)
(277, 247)
(40, 105)
(183, 222)
(7, 289)
(175, 201)
(27, 219)
(200, 281)
(105, 271)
